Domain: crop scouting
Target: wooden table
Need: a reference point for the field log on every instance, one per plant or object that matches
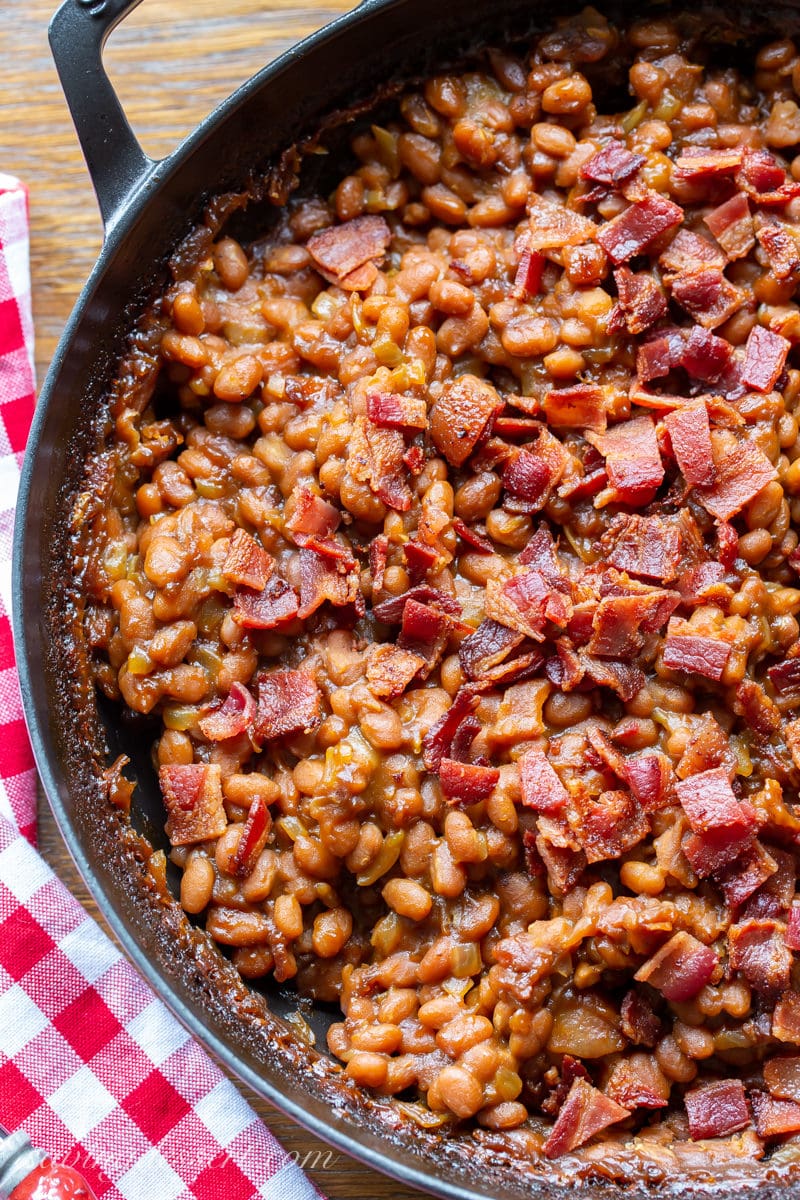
(172, 62)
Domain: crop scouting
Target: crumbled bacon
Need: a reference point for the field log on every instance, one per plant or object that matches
(626, 679)
(621, 622)
(390, 669)
(732, 225)
(528, 478)
(489, 645)
(656, 548)
(690, 436)
(460, 418)
(754, 705)
(339, 251)
(786, 1019)
(584, 1113)
(638, 1020)
(551, 226)
(390, 611)
(392, 410)
(634, 230)
(717, 1109)
(793, 928)
(780, 247)
(651, 779)
(749, 872)
(706, 356)
(775, 895)
(232, 718)
(741, 474)
(680, 969)
(419, 559)
(312, 517)
(289, 702)
(638, 1082)
(528, 277)
(526, 603)
(475, 538)
(688, 252)
(785, 676)
(612, 164)
(765, 359)
(540, 787)
(710, 803)
(693, 653)
(464, 736)
(378, 556)
(385, 469)
(322, 580)
(438, 740)
(268, 609)
(641, 300)
(609, 824)
(424, 632)
(782, 1077)
(774, 1118)
(563, 859)
(660, 355)
(581, 406)
(252, 838)
(698, 162)
(193, 798)
(633, 462)
(247, 563)
(757, 949)
(707, 296)
(467, 782)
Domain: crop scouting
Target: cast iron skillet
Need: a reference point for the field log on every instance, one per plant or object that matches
(148, 208)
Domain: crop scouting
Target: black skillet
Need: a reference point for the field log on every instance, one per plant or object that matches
(148, 207)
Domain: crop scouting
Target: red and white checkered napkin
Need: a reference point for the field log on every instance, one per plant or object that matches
(92, 1065)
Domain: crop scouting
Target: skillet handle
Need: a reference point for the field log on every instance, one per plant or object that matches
(117, 164)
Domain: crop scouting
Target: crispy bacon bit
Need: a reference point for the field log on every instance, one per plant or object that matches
(390, 669)
(710, 804)
(322, 580)
(660, 355)
(563, 859)
(378, 556)
(385, 468)
(247, 563)
(193, 798)
(289, 702)
(489, 645)
(419, 559)
(786, 1019)
(551, 226)
(341, 250)
(793, 928)
(757, 949)
(765, 359)
(526, 603)
(231, 718)
(779, 246)
(698, 162)
(579, 407)
(656, 548)
(528, 277)
(706, 356)
(252, 839)
(268, 609)
(785, 676)
(414, 459)
(612, 164)
(690, 435)
(680, 969)
(463, 738)
(633, 462)
(390, 611)
(473, 537)
(638, 1082)
(626, 679)
(638, 1021)
(584, 1113)
(688, 252)
(425, 631)
(775, 896)
(392, 410)
(732, 226)
(741, 474)
(439, 738)
(774, 1118)
(527, 477)
(609, 824)
(764, 179)
(540, 787)
(651, 780)
(467, 782)
(746, 874)
(717, 1109)
(460, 418)
(641, 299)
(755, 707)
(638, 226)
(707, 296)
(312, 517)
(782, 1077)
(694, 654)
(621, 622)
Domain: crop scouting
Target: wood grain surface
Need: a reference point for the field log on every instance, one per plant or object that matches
(172, 61)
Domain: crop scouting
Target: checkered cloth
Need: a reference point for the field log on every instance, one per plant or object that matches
(92, 1065)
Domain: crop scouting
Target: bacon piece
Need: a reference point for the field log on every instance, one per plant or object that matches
(540, 787)
(289, 702)
(563, 859)
(637, 1082)
(193, 797)
(609, 824)
(741, 474)
(460, 418)
(528, 277)
(515, 427)
(320, 581)
(391, 611)
(633, 462)
(592, 481)
(247, 563)
(700, 162)
(680, 969)
(551, 226)
(764, 179)
(419, 559)
(390, 669)
(526, 603)
(793, 928)
(268, 609)
(710, 803)
(632, 231)
(690, 435)
(584, 1113)
(612, 164)
(424, 632)
(755, 707)
(466, 782)
(779, 246)
(621, 622)
(757, 949)
(638, 1021)
(765, 359)
(651, 547)
(414, 459)
(717, 1109)
(785, 676)
(626, 679)
(340, 250)
(707, 296)
(312, 517)
(746, 874)
(774, 1118)
(252, 838)
(393, 410)
(651, 780)
(660, 355)
(732, 225)
(490, 644)
(695, 654)
(463, 738)
(700, 584)
(378, 556)
(688, 252)
(439, 738)
(786, 1019)
(640, 298)
(579, 407)
(232, 718)
(775, 895)
(782, 1077)
(706, 356)
(385, 468)
(529, 478)
(473, 537)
